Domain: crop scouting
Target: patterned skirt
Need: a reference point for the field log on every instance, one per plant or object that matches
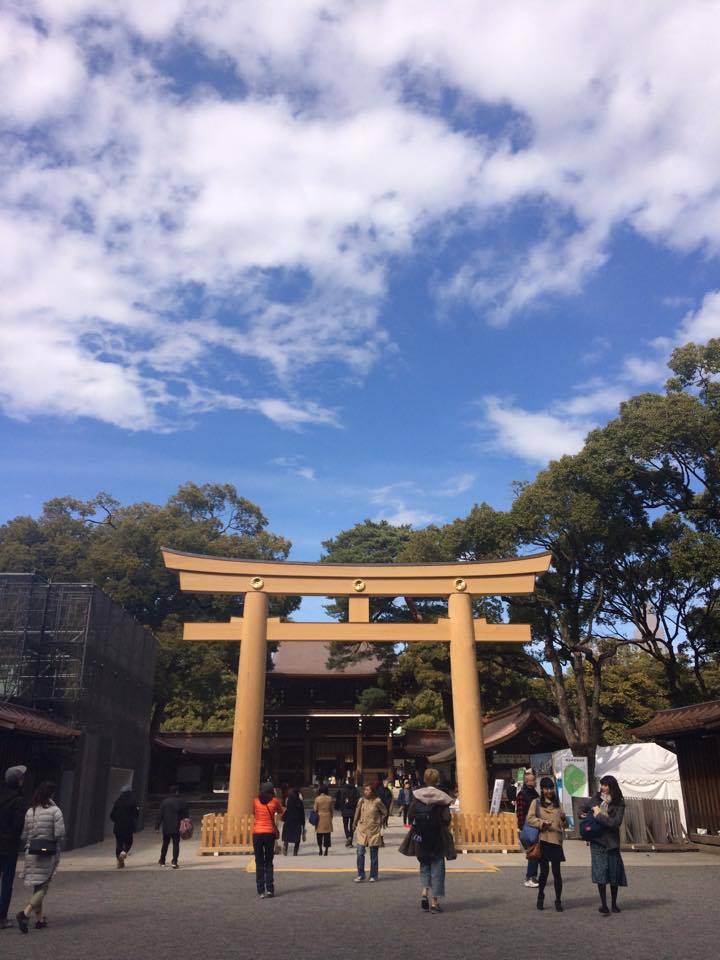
(607, 866)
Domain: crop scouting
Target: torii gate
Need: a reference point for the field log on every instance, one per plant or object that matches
(259, 579)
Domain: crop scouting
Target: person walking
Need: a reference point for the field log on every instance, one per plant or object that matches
(404, 800)
(368, 821)
(526, 795)
(266, 807)
(323, 807)
(43, 834)
(12, 822)
(608, 808)
(430, 839)
(346, 800)
(172, 810)
(548, 817)
(124, 815)
(293, 822)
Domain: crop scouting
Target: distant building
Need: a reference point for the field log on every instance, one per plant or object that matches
(312, 729)
(76, 687)
(693, 732)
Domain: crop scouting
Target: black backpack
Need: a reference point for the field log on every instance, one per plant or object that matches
(427, 826)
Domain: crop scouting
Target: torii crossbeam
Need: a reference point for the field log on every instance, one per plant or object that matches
(260, 579)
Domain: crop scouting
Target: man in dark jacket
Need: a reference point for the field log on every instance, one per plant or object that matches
(526, 796)
(124, 815)
(346, 800)
(172, 810)
(12, 821)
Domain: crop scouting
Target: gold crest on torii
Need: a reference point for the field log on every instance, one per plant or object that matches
(259, 579)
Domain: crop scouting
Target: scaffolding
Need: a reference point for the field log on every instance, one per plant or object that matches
(68, 648)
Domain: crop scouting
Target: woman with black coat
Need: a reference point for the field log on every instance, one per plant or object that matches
(124, 815)
(293, 821)
(608, 808)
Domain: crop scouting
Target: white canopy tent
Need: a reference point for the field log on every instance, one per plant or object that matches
(642, 770)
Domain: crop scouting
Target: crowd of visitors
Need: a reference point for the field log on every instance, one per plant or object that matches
(39, 830)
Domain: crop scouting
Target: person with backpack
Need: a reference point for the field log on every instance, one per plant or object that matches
(43, 834)
(173, 811)
(525, 796)
(430, 839)
(124, 815)
(346, 800)
(547, 816)
(404, 800)
(12, 822)
(368, 821)
(606, 811)
(266, 807)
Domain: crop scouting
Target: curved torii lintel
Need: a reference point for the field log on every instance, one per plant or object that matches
(207, 574)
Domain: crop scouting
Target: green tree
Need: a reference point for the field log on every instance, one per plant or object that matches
(664, 450)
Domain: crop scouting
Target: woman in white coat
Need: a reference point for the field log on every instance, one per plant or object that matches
(43, 835)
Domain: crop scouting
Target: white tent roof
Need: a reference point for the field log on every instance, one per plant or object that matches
(641, 769)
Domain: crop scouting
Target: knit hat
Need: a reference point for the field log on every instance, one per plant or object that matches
(13, 775)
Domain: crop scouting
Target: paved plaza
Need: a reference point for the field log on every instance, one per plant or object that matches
(209, 908)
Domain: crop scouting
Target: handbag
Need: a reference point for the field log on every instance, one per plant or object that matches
(529, 835)
(313, 818)
(186, 828)
(590, 827)
(533, 852)
(42, 847)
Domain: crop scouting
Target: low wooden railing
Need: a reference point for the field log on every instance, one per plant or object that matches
(474, 833)
(485, 832)
(221, 833)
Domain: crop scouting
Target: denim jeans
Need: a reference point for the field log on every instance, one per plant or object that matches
(432, 875)
(8, 865)
(532, 869)
(361, 861)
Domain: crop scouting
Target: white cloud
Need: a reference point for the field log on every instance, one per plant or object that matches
(394, 506)
(145, 229)
(295, 466)
(457, 485)
(536, 436)
(543, 435)
(702, 324)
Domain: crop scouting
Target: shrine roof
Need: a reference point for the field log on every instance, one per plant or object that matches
(33, 722)
(308, 659)
(679, 720)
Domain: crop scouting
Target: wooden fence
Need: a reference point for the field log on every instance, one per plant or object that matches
(221, 833)
(485, 832)
(473, 833)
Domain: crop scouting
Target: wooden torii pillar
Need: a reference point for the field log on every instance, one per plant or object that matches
(260, 579)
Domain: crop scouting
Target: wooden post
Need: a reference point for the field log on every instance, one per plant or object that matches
(359, 757)
(307, 756)
(469, 743)
(249, 707)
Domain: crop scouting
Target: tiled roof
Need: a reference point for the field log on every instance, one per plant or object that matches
(32, 722)
(308, 659)
(197, 744)
(505, 724)
(679, 720)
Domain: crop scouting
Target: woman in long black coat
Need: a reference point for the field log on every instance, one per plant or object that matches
(293, 821)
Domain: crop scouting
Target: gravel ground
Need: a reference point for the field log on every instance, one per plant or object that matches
(126, 915)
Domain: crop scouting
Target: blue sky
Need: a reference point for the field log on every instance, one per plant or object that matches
(360, 260)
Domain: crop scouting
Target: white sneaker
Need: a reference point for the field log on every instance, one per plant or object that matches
(532, 882)
(123, 854)
(372, 880)
(359, 880)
